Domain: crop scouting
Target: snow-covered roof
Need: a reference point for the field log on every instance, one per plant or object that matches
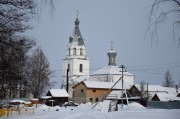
(103, 85)
(45, 97)
(116, 70)
(115, 93)
(166, 97)
(157, 88)
(34, 99)
(59, 93)
(82, 78)
(17, 100)
(171, 90)
(152, 88)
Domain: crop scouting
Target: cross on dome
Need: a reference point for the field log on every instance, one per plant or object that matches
(77, 13)
(111, 45)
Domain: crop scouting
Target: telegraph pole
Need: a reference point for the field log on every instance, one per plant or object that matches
(67, 80)
(122, 67)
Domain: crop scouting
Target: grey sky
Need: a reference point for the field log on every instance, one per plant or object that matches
(122, 21)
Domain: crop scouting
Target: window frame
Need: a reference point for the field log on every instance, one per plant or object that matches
(81, 68)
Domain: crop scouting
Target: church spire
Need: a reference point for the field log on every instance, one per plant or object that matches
(76, 36)
(112, 56)
(77, 20)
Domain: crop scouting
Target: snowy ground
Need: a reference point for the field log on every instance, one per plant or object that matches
(84, 111)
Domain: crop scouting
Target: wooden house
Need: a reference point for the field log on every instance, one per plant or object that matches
(91, 91)
(59, 95)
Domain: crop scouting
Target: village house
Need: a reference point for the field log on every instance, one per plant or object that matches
(91, 91)
(154, 92)
(59, 95)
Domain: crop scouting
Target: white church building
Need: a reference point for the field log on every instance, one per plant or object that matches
(77, 64)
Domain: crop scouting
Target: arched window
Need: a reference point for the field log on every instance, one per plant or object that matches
(81, 51)
(80, 68)
(74, 51)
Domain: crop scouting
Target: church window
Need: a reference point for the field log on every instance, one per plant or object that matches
(82, 90)
(80, 68)
(74, 51)
(81, 51)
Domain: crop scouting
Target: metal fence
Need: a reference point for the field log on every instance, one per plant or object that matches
(163, 105)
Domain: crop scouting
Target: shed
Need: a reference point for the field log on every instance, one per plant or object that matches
(59, 95)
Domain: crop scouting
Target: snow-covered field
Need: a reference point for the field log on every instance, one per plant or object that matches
(84, 111)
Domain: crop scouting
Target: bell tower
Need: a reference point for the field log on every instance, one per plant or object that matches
(75, 60)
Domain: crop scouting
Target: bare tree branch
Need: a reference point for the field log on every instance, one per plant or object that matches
(157, 16)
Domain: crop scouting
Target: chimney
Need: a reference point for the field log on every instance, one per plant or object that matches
(176, 88)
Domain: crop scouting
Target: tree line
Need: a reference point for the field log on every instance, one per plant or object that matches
(24, 69)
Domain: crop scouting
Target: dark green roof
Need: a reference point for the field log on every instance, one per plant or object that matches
(77, 33)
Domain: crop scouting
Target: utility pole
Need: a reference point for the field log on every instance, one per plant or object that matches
(147, 96)
(147, 91)
(67, 80)
(122, 67)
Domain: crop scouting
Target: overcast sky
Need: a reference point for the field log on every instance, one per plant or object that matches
(101, 21)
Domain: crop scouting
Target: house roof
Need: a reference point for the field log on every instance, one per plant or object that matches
(153, 88)
(82, 78)
(101, 85)
(59, 93)
(171, 90)
(115, 70)
(166, 97)
(156, 88)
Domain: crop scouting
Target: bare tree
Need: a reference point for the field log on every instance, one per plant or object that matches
(168, 82)
(40, 73)
(12, 63)
(14, 47)
(142, 88)
(160, 11)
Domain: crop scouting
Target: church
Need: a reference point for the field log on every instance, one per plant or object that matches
(76, 65)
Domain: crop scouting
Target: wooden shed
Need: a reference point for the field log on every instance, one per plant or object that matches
(59, 95)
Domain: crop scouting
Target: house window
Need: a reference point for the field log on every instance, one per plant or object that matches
(82, 90)
(97, 99)
(91, 99)
(81, 51)
(94, 90)
(74, 51)
(80, 68)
